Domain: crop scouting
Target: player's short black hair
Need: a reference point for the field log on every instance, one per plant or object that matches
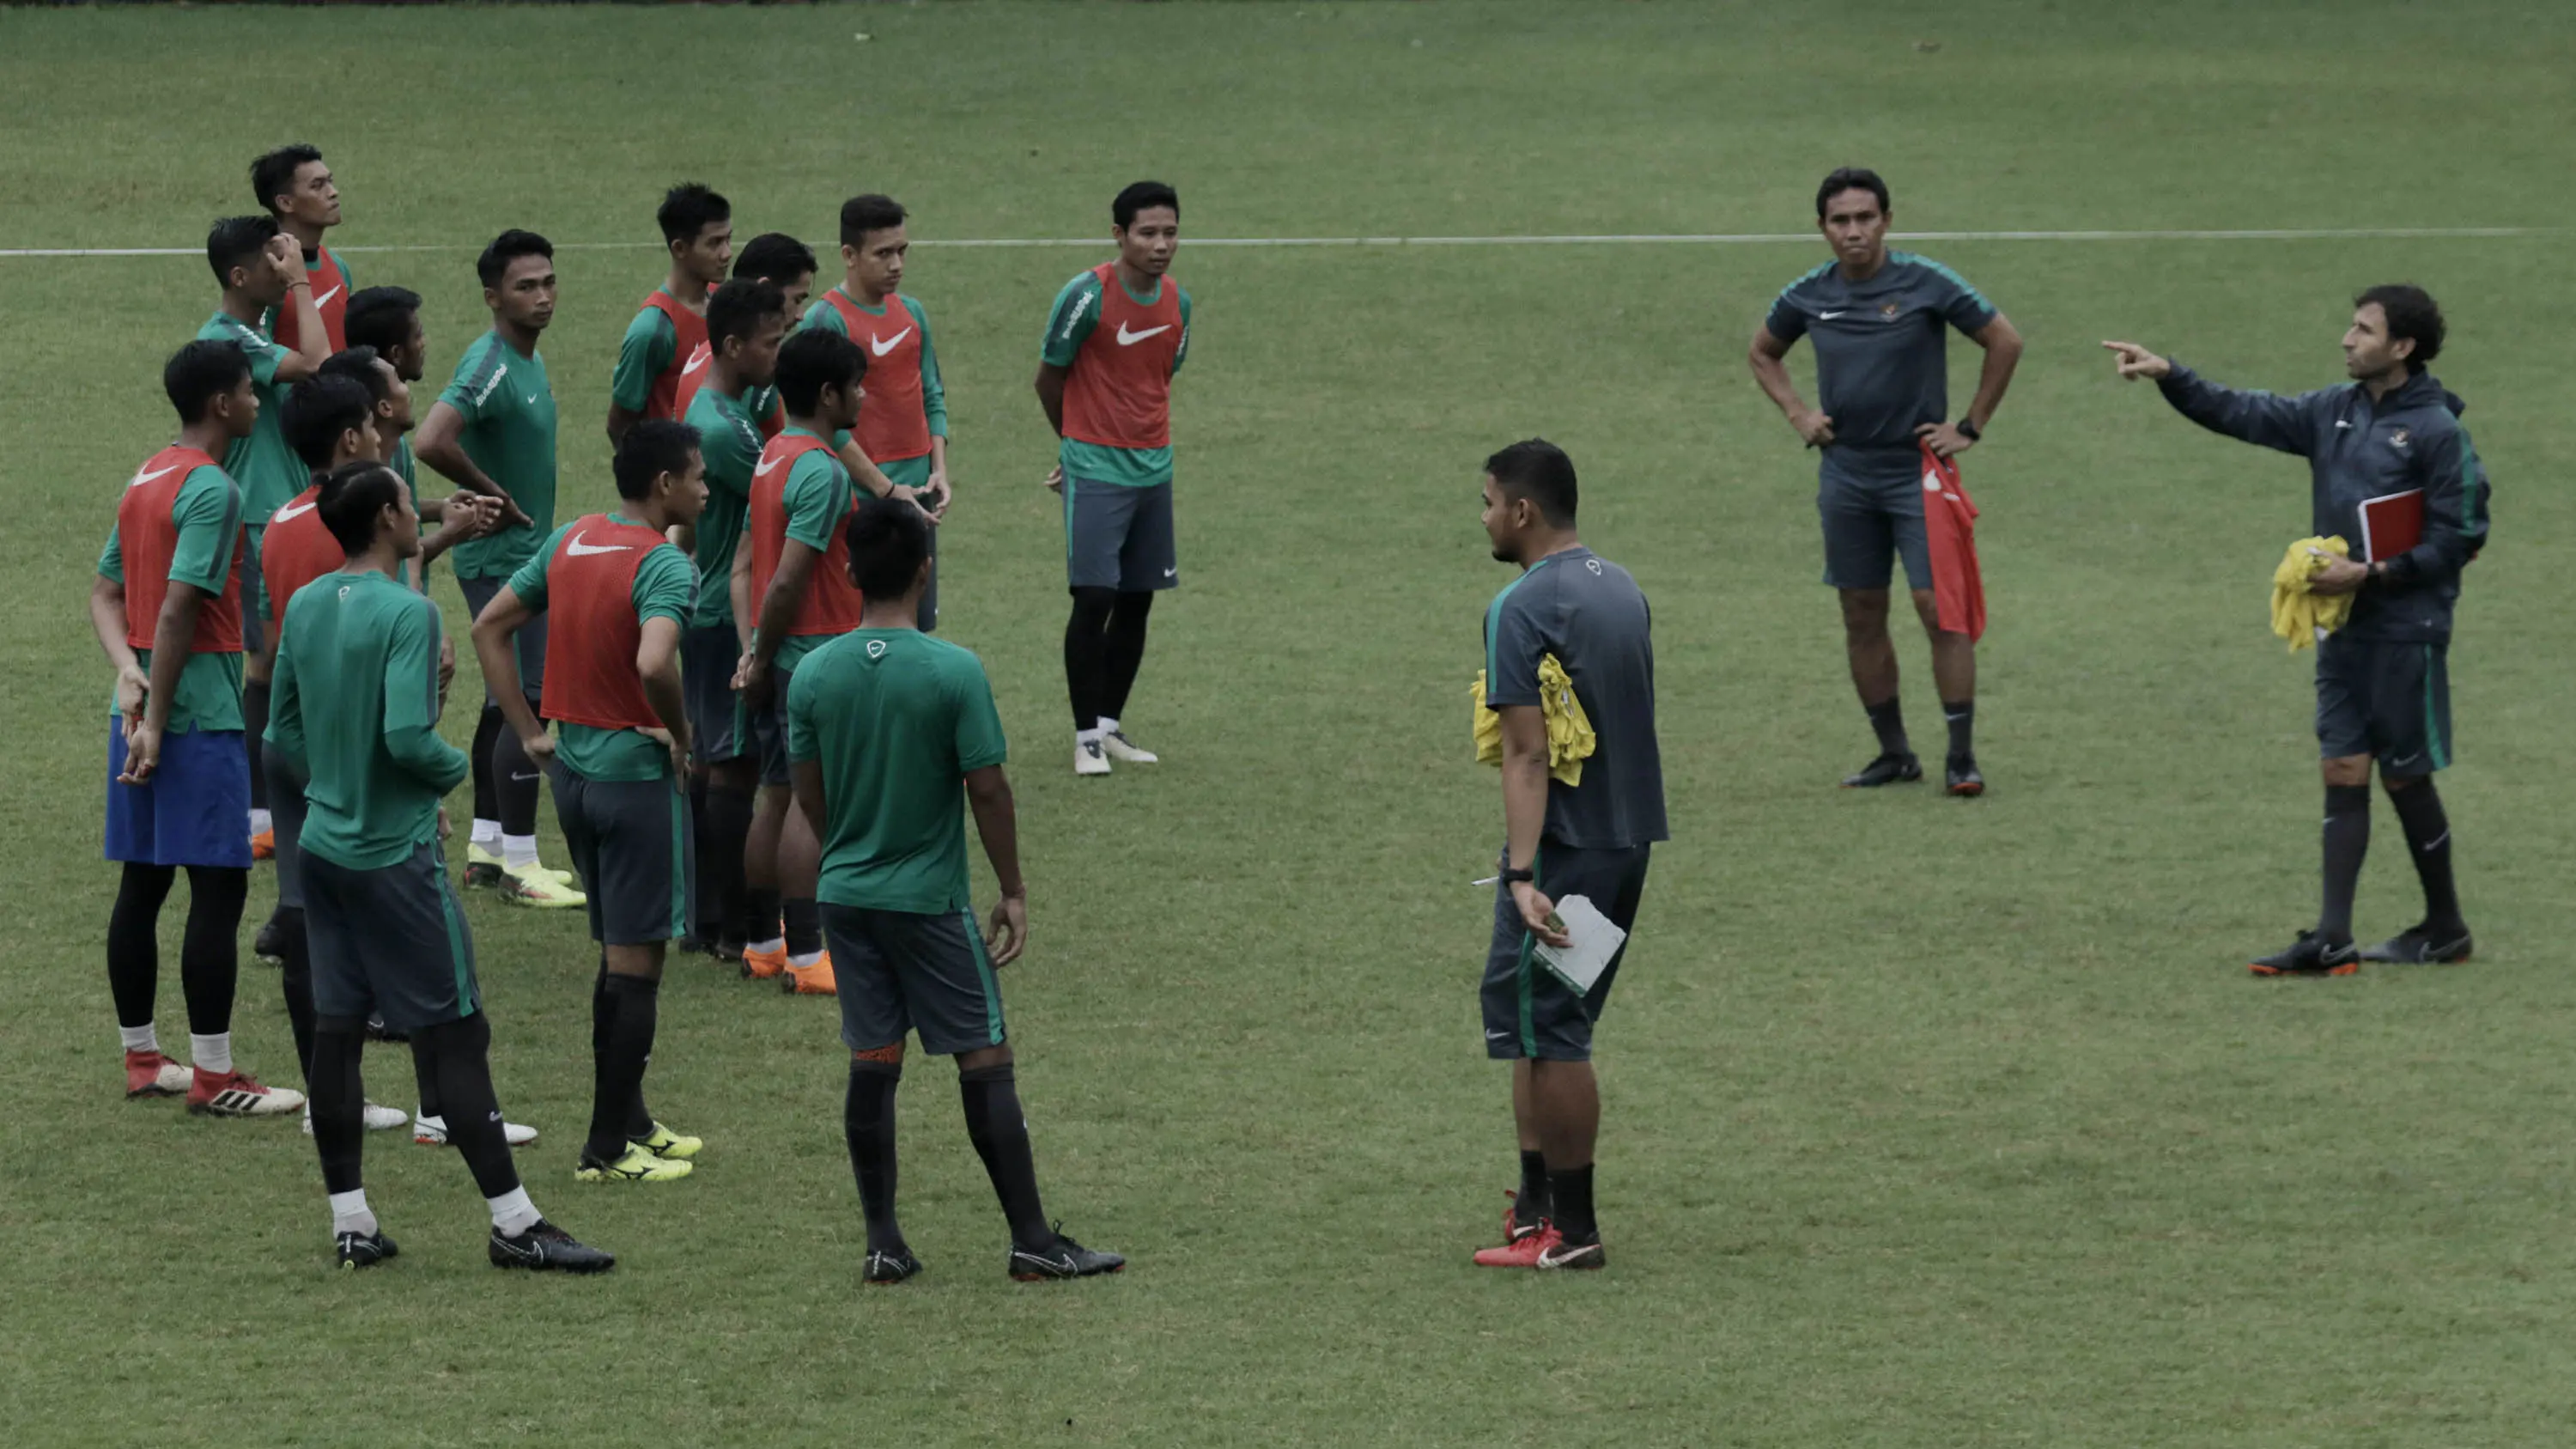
(650, 449)
(506, 248)
(275, 173)
(737, 309)
(318, 410)
(813, 360)
(199, 373)
(774, 256)
(690, 208)
(236, 241)
(1539, 471)
(1142, 196)
(863, 214)
(358, 365)
(353, 495)
(888, 540)
(2413, 315)
(380, 317)
(1852, 178)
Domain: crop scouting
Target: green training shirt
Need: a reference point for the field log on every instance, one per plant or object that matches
(730, 442)
(267, 469)
(355, 697)
(206, 515)
(509, 411)
(643, 355)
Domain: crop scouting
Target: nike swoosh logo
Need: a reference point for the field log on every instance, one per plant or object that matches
(767, 467)
(2340, 423)
(325, 298)
(883, 345)
(291, 511)
(579, 549)
(142, 478)
(1828, 316)
(1498, 1036)
(697, 360)
(1130, 339)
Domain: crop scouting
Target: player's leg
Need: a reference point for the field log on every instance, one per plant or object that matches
(293, 948)
(764, 951)
(1096, 518)
(873, 1026)
(926, 617)
(721, 785)
(332, 923)
(200, 794)
(1954, 675)
(2415, 695)
(133, 977)
(1860, 562)
(800, 863)
(525, 880)
(634, 852)
(2344, 670)
(1148, 562)
(483, 846)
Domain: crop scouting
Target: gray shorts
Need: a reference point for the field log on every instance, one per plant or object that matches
(631, 843)
(899, 971)
(1119, 537)
(531, 638)
(2379, 697)
(770, 729)
(286, 819)
(1528, 1011)
(1871, 505)
(390, 942)
(720, 727)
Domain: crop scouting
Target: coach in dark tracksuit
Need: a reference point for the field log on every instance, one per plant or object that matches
(2383, 680)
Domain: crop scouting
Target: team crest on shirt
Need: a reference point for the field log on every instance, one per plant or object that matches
(1889, 311)
(2397, 439)
(876, 649)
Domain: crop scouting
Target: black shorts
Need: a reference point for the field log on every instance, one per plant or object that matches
(1871, 506)
(1528, 1011)
(1119, 536)
(899, 971)
(286, 822)
(720, 724)
(769, 730)
(631, 842)
(389, 942)
(2387, 699)
(529, 642)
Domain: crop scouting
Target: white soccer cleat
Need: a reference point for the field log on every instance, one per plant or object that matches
(1089, 758)
(377, 1118)
(238, 1094)
(431, 1131)
(1117, 746)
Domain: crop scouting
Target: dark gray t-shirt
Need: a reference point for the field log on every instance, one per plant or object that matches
(1882, 346)
(1591, 615)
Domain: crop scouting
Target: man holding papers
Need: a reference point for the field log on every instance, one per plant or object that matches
(2392, 473)
(1574, 863)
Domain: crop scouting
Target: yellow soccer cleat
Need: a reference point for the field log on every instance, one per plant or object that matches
(539, 890)
(633, 1165)
(663, 1142)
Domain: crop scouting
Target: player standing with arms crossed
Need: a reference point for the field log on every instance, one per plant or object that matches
(668, 338)
(1878, 320)
(1116, 337)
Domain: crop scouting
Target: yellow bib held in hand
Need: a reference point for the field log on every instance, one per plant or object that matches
(2303, 618)
(1569, 733)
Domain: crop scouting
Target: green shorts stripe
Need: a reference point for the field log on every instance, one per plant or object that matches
(984, 971)
(2433, 741)
(457, 952)
(679, 865)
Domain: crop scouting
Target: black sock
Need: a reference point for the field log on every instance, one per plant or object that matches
(134, 941)
(210, 954)
(801, 922)
(617, 1082)
(460, 1053)
(1533, 1202)
(1086, 653)
(295, 982)
(424, 1077)
(706, 908)
(761, 912)
(867, 1120)
(1571, 1187)
(1123, 651)
(254, 726)
(2347, 840)
(1962, 718)
(2428, 840)
(1888, 719)
(725, 825)
(1001, 1137)
(338, 1100)
(514, 780)
(488, 729)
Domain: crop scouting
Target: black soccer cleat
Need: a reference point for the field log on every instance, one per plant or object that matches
(1565, 1254)
(270, 944)
(2425, 944)
(1885, 770)
(1961, 779)
(2310, 955)
(891, 1266)
(1065, 1259)
(364, 1250)
(547, 1248)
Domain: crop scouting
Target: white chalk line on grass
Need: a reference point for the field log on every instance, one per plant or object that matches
(2366, 233)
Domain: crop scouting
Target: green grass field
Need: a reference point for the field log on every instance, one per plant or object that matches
(1928, 1123)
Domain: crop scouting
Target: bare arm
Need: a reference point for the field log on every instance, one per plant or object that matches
(107, 615)
(2003, 353)
(657, 663)
(777, 616)
(1525, 811)
(988, 794)
(807, 778)
(738, 589)
(1771, 372)
(442, 447)
(492, 630)
(1050, 386)
(312, 344)
(620, 422)
(174, 635)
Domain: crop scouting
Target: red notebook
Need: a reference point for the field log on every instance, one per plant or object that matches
(2391, 524)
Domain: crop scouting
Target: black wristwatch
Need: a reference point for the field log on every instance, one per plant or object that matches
(1513, 877)
(1968, 430)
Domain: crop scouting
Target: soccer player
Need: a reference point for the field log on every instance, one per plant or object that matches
(293, 184)
(904, 428)
(388, 320)
(358, 701)
(746, 321)
(258, 270)
(669, 336)
(167, 607)
(783, 262)
(1117, 335)
(793, 584)
(621, 768)
(493, 431)
(1877, 318)
(2384, 678)
(1590, 840)
(892, 733)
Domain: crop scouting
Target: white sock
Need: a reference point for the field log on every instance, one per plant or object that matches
(518, 851)
(211, 1054)
(259, 821)
(1090, 736)
(487, 834)
(805, 960)
(350, 1213)
(140, 1038)
(774, 943)
(512, 1213)
(1106, 725)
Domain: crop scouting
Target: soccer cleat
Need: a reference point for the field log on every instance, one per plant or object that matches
(373, 1117)
(482, 867)
(663, 1142)
(725, 950)
(1513, 1228)
(546, 1248)
(633, 1165)
(1089, 758)
(150, 1074)
(759, 965)
(237, 1094)
(814, 980)
(1885, 770)
(431, 1131)
(1562, 1254)
(2424, 944)
(2310, 955)
(889, 1267)
(1065, 1259)
(539, 890)
(364, 1250)
(1960, 778)
(263, 846)
(1116, 745)
(267, 945)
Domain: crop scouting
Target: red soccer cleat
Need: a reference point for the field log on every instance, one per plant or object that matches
(150, 1074)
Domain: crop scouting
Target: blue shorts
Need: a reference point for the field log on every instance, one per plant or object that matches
(195, 810)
